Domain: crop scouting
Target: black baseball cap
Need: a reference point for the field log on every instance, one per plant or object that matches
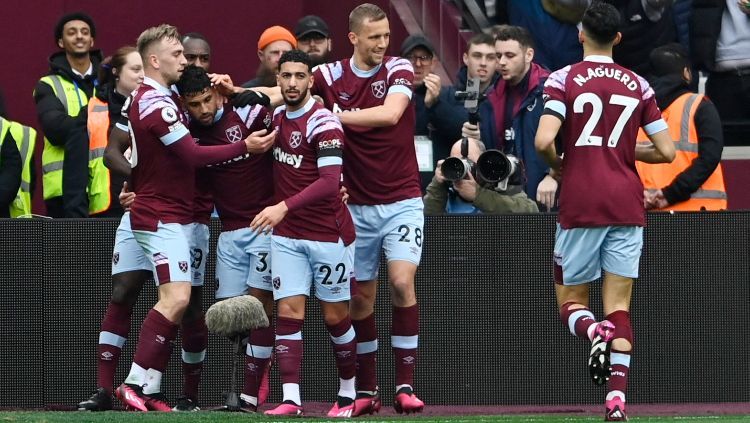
(413, 41)
(311, 24)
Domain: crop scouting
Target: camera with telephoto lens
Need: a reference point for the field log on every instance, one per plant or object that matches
(493, 169)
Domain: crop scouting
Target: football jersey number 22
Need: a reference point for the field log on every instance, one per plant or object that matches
(587, 138)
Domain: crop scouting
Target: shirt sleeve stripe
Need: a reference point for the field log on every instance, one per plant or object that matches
(400, 89)
(123, 128)
(556, 106)
(174, 135)
(655, 126)
(330, 161)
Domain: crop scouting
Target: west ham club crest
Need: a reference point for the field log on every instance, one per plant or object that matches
(378, 89)
(295, 139)
(233, 134)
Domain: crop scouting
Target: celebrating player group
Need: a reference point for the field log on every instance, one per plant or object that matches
(311, 191)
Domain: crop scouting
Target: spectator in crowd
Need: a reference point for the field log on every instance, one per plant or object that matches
(61, 98)
(385, 199)
(314, 39)
(197, 50)
(480, 61)
(694, 180)
(645, 25)
(601, 215)
(467, 196)
(273, 42)
(720, 44)
(552, 24)
(432, 101)
(16, 167)
(514, 106)
(119, 75)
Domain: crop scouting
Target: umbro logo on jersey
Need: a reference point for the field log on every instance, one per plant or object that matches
(378, 89)
(295, 139)
(233, 134)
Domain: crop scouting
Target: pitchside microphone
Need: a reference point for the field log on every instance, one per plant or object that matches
(234, 318)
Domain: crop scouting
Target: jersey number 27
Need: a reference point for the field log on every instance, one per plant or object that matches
(587, 138)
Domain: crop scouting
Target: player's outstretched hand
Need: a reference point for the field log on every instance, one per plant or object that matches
(260, 141)
(269, 217)
(126, 197)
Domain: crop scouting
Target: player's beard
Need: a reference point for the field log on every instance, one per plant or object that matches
(297, 101)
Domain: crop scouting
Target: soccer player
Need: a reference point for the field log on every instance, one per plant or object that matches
(241, 189)
(313, 234)
(598, 107)
(164, 156)
(371, 94)
(130, 269)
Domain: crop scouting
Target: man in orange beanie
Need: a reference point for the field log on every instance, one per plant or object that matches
(273, 42)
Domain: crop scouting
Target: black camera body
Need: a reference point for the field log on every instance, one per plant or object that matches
(493, 169)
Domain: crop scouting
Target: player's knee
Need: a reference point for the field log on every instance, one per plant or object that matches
(290, 310)
(361, 306)
(178, 300)
(125, 293)
(402, 290)
(265, 298)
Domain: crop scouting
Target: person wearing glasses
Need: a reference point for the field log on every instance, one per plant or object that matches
(437, 123)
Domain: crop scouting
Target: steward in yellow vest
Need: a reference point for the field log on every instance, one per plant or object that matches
(694, 180)
(16, 147)
(61, 101)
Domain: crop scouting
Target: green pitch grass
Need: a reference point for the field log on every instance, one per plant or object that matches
(216, 417)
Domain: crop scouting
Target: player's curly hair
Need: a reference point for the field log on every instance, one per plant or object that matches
(194, 80)
(601, 21)
(296, 56)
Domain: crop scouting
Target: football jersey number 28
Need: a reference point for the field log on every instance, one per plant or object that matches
(587, 138)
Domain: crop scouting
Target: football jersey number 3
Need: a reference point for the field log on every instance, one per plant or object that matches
(587, 138)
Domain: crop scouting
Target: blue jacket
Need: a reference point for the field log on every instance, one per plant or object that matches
(524, 126)
(556, 42)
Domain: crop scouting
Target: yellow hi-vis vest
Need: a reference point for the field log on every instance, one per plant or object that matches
(680, 117)
(25, 138)
(73, 100)
(99, 182)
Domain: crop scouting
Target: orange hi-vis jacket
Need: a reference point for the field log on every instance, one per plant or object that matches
(99, 177)
(680, 117)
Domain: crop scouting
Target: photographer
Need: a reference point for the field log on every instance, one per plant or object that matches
(510, 114)
(467, 196)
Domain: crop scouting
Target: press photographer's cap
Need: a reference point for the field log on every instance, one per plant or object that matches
(413, 41)
(311, 24)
